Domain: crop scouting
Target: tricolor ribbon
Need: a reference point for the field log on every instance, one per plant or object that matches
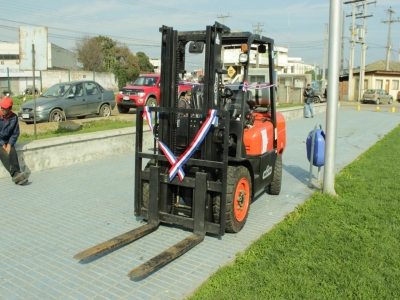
(255, 86)
(167, 152)
(212, 119)
(177, 164)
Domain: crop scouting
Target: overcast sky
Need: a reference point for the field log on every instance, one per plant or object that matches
(298, 25)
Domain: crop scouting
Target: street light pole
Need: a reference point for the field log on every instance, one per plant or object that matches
(333, 96)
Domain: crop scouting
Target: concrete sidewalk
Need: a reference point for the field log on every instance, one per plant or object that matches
(68, 209)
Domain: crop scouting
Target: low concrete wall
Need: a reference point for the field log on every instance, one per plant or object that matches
(298, 112)
(50, 153)
(56, 152)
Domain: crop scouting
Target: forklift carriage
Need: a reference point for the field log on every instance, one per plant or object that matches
(208, 162)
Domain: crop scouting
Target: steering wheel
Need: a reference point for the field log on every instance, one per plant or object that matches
(227, 93)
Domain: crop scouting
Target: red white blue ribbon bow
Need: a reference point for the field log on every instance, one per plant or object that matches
(212, 119)
(167, 152)
(177, 164)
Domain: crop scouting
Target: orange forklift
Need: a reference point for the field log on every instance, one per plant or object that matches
(210, 161)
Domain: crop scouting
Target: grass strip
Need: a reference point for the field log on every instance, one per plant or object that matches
(344, 247)
(92, 126)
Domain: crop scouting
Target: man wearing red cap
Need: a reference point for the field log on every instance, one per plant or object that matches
(9, 133)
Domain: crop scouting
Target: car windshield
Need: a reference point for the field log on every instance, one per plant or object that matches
(371, 91)
(57, 90)
(145, 81)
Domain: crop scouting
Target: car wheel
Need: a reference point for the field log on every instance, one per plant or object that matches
(316, 100)
(152, 102)
(56, 115)
(105, 111)
(390, 101)
(81, 117)
(377, 101)
(122, 109)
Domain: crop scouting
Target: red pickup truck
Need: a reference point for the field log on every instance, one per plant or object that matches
(144, 91)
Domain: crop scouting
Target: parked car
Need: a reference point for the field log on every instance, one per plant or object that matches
(377, 96)
(67, 100)
(319, 97)
(144, 91)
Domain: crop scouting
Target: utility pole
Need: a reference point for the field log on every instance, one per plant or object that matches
(350, 92)
(222, 17)
(363, 48)
(342, 50)
(258, 31)
(390, 21)
(325, 46)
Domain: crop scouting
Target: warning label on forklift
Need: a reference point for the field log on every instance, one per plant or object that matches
(264, 139)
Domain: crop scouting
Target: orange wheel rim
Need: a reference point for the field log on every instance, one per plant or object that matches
(242, 199)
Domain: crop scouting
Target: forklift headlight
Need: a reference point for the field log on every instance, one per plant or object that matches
(243, 58)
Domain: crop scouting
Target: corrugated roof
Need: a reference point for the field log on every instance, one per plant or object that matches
(380, 65)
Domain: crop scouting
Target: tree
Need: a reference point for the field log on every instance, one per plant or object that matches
(144, 63)
(102, 53)
(90, 54)
(108, 49)
(127, 65)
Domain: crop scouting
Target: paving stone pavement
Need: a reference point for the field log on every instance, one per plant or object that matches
(66, 210)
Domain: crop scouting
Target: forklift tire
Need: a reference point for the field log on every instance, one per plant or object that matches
(238, 198)
(275, 187)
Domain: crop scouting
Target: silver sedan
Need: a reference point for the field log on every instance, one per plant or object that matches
(69, 100)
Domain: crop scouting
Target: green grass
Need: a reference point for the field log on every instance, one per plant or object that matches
(94, 126)
(287, 105)
(345, 247)
(18, 100)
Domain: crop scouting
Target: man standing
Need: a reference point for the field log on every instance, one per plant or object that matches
(185, 101)
(9, 133)
(308, 99)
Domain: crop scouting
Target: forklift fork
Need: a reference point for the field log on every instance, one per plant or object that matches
(171, 253)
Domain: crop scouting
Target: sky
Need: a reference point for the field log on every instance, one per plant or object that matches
(296, 24)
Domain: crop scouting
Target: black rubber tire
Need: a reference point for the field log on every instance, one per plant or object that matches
(56, 115)
(122, 109)
(152, 102)
(316, 100)
(237, 176)
(275, 186)
(105, 111)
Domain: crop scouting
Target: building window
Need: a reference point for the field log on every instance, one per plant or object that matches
(378, 84)
(395, 85)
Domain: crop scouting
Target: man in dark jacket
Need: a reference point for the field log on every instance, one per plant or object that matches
(9, 133)
(308, 99)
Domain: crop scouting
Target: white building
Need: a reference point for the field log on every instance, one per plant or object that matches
(156, 64)
(57, 57)
(295, 65)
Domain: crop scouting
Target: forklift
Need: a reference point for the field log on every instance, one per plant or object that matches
(210, 161)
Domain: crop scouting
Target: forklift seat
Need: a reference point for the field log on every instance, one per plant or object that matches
(198, 96)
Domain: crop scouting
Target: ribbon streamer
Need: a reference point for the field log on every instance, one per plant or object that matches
(167, 152)
(212, 118)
